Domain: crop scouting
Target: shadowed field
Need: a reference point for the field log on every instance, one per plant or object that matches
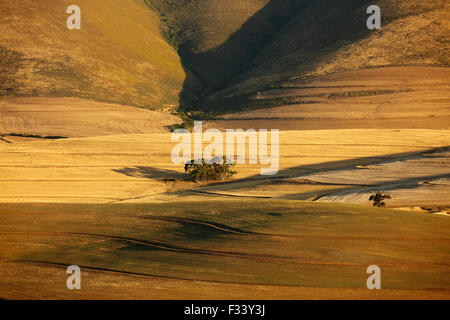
(281, 249)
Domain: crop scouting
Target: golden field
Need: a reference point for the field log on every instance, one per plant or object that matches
(111, 201)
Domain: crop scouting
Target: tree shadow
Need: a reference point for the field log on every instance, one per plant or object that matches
(4, 140)
(150, 173)
(345, 165)
(391, 185)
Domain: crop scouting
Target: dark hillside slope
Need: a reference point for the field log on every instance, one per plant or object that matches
(218, 39)
(235, 49)
(331, 36)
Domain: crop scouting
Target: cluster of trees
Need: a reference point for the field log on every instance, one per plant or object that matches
(208, 170)
(378, 199)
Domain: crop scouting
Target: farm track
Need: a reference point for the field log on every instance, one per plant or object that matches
(228, 229)
(234, 254)
(123, 272)
(190, 287)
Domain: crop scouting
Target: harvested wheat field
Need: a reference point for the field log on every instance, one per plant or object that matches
(70, 201)
(126, 166)
(74, 117)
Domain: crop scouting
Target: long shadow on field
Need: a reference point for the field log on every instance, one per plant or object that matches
(4, 140)
(150, 173)
(406, 183)
(342, 165)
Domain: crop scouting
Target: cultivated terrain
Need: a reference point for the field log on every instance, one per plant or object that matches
(86, 175)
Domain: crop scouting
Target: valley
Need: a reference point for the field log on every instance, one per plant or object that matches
(87, 178)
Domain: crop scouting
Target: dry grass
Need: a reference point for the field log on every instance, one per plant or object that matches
(231, 50)
(185, 244)
(74, 117)
(117, 56)
(132, 167)
(108, 198)
(18, 281)
(328, 37)
(390, 98)
(221, 249)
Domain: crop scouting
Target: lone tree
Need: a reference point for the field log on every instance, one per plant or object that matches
(378, 199)
(207, 170)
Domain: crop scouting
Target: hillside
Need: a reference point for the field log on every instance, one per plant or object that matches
(415, 97)
(329, 37)
(217, 39)
(118, 55)
(212, 55)
(235, 49)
